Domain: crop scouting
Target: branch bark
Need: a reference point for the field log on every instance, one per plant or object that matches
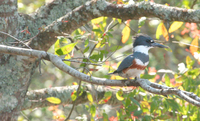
(37, 98)
(143, 83)
(96, 8)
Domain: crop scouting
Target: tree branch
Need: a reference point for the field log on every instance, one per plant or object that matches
(96, 8)
(37, 98)
(143, 83)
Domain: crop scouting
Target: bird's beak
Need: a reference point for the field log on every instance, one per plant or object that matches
(158, 45)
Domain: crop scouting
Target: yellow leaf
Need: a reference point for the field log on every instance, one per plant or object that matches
(164, 32)
(119, 95)
(119, 20)
(126, 32)
(120, 2)
(89, 96)
(194, 45)
(53, 100)
(97, 20)
(159, 31)
(174, 26)
(67, 57)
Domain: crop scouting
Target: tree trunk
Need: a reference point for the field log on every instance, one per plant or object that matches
(15, 71)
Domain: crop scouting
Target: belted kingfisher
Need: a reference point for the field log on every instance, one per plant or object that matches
(134, 64)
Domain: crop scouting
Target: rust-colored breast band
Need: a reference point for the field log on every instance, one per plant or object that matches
(134, 66)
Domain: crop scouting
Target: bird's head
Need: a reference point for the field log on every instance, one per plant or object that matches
(144, 42)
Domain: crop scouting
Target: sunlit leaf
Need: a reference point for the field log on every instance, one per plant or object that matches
(86, 42)
(65, 49)
(74, 83)
(126, 32)
(167, 80)
(67, 57)
(80, 31)
(120, 2)
(73, 95)
(189, 62)
(119, 20)
(194, 45)
(89, 96)
(175, 26)
(97, 20)
(93, 110)
(164, 32)
(106, 97)
(159, 31)
(56, 45)
(53, 100)
(119, 95)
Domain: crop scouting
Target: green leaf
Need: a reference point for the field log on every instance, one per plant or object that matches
(53, 100)
(167, 80)
(137, 113)
(105, 117)
(135, 101)
(189, 62)
(73, 95)
(132, 108)
(175, 106)
(147, 76)
(128, 102)
(86, 42)
(106, 97)
(119, 95)
(95, 57)
(92, 110)
(153, 106)
(109, 34)
(86, 49)
(89, 96)
(97, 30)
(141, 21)
(65, 49)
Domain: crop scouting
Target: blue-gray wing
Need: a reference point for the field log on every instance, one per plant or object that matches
(127, 62)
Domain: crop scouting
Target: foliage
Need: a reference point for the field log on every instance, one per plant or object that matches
(103, 36)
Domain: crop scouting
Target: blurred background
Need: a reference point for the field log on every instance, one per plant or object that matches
(175, 67)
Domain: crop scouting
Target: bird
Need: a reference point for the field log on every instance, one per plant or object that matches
(134, 64)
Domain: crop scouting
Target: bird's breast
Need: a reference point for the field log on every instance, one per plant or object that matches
(135, 69)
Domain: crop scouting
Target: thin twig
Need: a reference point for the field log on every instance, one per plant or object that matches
(193, 4)
(87, 63)
(15, 38)
(130, 28)
(80, 80)
(24, 115)
(185, 44)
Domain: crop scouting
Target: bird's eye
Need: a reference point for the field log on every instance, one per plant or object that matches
(150, 41)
